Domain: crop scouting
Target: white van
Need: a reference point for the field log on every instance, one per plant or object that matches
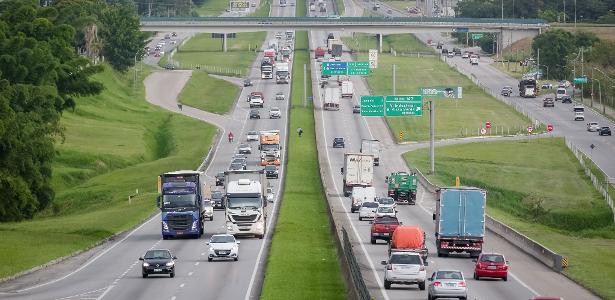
(559, 93)
(360, 195)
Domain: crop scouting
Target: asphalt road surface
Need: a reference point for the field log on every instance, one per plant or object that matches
(115, 272)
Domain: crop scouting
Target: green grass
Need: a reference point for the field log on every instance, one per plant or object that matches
(114, 143)
(362, 42)
(302, 244)
(263, 9)
(245, 41)
(208, 93)
(453, 117)
(301, 9)
(341, 9)
(538, 188)
(212, 8)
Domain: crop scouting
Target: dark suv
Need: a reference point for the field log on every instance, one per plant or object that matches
(254, 114)
(217, 198)
(338, 142)
(219, 179)
(604, 131)
(566, 99)
(271, 171)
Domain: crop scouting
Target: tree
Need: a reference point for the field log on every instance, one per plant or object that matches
(602, 54)
(478, 9)
(584, 39)
(556, 46)
(122, 38)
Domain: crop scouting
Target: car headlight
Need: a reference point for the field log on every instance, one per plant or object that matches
(165, 226)
(229, 227)
(170, 264)
(145, 264)
(259, 226)
(194, 225)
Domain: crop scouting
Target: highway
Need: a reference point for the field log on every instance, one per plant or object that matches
(528, 277)
(115, 271)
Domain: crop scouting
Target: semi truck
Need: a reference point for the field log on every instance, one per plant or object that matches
(271, 53)
(460, 220)
(528, 87)
(402, 187)
(266, 69)
(246, 204)
(269, 146)
(330, 43)
(371, 147)
(336, 49)
(347, 89)
(282, 75)
(358, 170)
(286, 52)
(332, 99)
(180, 199)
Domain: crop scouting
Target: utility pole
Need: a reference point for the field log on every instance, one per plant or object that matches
(575, 14)
(582, 74)
(394, 81)
(304, 85)
(432, 134)
(564, 11)
(591, 103)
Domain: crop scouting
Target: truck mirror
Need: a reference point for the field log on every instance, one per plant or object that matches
(433, 216)
(342, 170)
(384, 262)
(426, 263)
(158, 201)
(141, 258)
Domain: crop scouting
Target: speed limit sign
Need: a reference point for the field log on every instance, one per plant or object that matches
(483, 131)
(530, 129)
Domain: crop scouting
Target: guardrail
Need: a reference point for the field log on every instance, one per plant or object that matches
(355, 270)
(545, 255)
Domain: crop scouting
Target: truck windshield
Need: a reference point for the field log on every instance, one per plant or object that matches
(270, 147)
(240, 202)
(174, 201)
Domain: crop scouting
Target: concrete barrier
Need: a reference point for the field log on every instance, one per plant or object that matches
(524, 243)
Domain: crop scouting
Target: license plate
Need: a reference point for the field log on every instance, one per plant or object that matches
(157, 270)
(491, 267)
(179, 232)
(450, 284)
(386, 234)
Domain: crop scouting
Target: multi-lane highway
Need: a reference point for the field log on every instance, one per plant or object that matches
(115, 272)
(528, 276)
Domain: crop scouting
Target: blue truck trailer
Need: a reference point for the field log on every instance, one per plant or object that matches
(181, 196)
(460, 220)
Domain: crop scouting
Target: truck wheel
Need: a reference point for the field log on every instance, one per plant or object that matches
(387, 285)
(260, 236)
(144, 275)
(360, 219)
(373, 240)
(475, 276)
(422, 286)
(209, 259)
(164, 237)
(211, 218)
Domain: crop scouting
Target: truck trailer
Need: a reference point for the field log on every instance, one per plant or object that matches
(266, 69)
(528, 87)
(332, 99)
(347, 89)
(358, 171)
(180, 199)
(460, 220)
(246, 204)
(371, 147)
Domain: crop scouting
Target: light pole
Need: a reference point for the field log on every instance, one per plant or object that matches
(547, 70)
(502, 9)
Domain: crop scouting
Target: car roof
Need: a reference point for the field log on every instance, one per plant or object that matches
(158, 250)
(494, 253)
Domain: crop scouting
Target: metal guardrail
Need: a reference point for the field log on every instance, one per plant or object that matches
(355, 270)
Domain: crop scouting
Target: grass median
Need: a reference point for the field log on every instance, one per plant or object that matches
(208, 93)
(538, 187)
(303, 261)
(362, 42)
(115, 143)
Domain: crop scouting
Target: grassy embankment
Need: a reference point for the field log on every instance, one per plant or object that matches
(208, 93)
(538, 187)
(454, 118)
(341, 9)
(114, 144)
(211, 8)
(302, 244)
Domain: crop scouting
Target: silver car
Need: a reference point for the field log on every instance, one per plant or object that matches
(223, 246)
(386, 201)
(385, 211)
(404, 268)
(209, 210)
(593, 126)
(368, 210)
(252, 136)
(447, 284)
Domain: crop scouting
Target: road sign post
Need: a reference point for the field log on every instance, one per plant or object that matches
(373, 58)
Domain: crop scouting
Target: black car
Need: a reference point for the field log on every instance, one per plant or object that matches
(169, 66)
(271, 171)
(338, 142)
(255, 114)
(444, 51)
(604, 131)
(219, 179)
(247, 82)
(217, 198)
(158, 261)
(566, 99)
(356, 109)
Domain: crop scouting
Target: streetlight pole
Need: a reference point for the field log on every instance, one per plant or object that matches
(575, 14)
(502, 9)
(609, 78)
(547, 70)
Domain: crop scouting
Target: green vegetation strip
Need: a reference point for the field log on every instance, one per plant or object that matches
(208, 93)
(212, 8)
(115, 143)
(362, 42)
(339, 5)
(538, 187)
(303, 260)
(454, 118)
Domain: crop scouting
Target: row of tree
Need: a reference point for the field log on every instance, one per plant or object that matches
(47, 57)
(550, 10)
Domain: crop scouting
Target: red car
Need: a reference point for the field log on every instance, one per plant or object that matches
(383, 228)
(491, 265)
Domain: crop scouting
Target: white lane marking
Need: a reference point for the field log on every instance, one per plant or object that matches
(182, 285)
(190, 273)
(173, 298)
(92, 260)
(276, 204)
(105, 292)
(523, 284)
(369, 260)
(196, 263)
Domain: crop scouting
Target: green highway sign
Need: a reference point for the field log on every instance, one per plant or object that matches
(477, 36)
(358, 68)
(578, 80)
(398, 106)
(372, 106)
(452, 92)
(334, 68)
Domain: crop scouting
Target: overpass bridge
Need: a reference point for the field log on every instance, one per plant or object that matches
(511, 29)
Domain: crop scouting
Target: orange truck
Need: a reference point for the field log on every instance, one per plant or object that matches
(409, 238)
(269, 147)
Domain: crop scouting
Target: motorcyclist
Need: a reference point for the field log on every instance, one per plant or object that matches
(230, 137)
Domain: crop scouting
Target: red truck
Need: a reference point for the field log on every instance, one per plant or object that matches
(383, 228)
(319, 52)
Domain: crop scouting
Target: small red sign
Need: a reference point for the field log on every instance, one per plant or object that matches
(487, 125)
(549, 128)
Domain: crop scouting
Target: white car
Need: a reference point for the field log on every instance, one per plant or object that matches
(252, 136)
(593, 126)
(386, 202)
(209, 210)
(280, 96)
(256, 102)
(465, 55)
(404, 268)
(368, 210)
(579, 116)
(275, 113)
(385, 211)
(223, 246)
(244, 149)
(338, 58)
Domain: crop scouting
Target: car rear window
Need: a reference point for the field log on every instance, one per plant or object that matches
(405, 259)
(449, 275)
(386, 220)
(386, 200)
(385, 209)
(492, 258)
(370, 204)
